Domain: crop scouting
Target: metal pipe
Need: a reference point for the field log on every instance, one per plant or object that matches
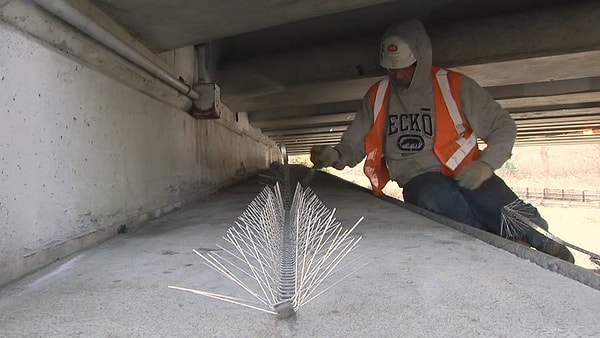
(68, 13)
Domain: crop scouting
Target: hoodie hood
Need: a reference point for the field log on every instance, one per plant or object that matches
(413, 33)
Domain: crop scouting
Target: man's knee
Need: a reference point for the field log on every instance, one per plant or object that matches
(437, 203)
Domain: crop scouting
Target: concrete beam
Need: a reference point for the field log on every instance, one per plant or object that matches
(295, 122)
(191, 27)
(539, 69)
(557, 140)
(37, 22)
(567, 30)
(305, 131)
(554, 31)
(559, 113)
(309, 138)
(307, 94)
(554, 100)
(307, 110)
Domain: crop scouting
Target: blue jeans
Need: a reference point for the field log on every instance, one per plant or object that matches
(479, 208)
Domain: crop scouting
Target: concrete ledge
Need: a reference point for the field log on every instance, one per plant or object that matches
(45, 256)
(544, 260)
(416, 278)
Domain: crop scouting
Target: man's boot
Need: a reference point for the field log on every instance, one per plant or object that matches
(536, 239)
(557, 250)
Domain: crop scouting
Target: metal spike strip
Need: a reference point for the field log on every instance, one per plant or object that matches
(282, 257)
(321, 243)
(286, 177)
(516, 220)
(510, 227)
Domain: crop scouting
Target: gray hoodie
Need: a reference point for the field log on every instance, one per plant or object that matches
(410, 127)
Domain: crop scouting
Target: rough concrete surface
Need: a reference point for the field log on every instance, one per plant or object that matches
(423, 279)
(81, 152)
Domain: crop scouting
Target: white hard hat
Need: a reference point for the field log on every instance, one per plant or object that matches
(395, 53)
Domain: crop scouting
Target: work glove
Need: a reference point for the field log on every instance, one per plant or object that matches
(325, 156)
(474, 174)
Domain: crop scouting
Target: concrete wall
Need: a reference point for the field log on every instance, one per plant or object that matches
(83, 153)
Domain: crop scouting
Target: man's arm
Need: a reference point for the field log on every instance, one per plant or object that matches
(351, 149)
(490, 122)
(352, 145)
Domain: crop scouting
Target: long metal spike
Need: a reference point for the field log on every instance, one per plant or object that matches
(223, 298)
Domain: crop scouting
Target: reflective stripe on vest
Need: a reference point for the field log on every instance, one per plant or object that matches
(465, 146)
(375, 168)
(452, 146)
(382, 88)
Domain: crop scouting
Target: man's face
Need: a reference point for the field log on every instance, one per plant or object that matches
(403, 76)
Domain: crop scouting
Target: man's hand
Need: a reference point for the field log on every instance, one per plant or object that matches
(325, 156)
(474, 174)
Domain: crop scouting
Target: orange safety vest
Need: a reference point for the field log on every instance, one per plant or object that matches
(455, 143)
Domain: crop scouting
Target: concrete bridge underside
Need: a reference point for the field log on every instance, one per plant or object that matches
(298, 69)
